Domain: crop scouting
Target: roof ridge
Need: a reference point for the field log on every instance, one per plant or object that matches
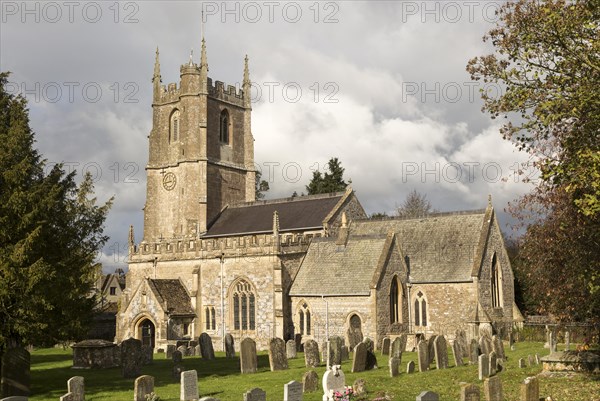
(425, 217)
(287, 200)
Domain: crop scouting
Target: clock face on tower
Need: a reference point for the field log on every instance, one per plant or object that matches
(169, 181)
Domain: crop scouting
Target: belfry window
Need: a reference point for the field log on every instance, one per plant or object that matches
(304, 319)
(244, 308)
(174, 127)
(224, 127)
(420, 310)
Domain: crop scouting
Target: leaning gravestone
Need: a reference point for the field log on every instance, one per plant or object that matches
(76, 386)
(394, 364)
(290, 349)
(530, 389)
(428, 396)
(333, 380)
(277, 357)
(131, 358)
(335, 350)
(256, 394)
(498, 347)
(473, 352)
(484, 366)
(248, 359)
(189, 385)
(15, 372)
(492, 388)
(385, 346)
(206, 346)
(410, 367)
(229, 346)
(441, 352)
(537, 359)
(310, 381)
(423, 357)
(493, 363)
(395, 348)
(469, 392)
(311, 354)
(359, 359)
(170, 349)
(292, 391)
(430, 349)
(457, 353)
(143, 386)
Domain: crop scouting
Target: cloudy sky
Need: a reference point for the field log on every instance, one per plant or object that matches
(381, 85)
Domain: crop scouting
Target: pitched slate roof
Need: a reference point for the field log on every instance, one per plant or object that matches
(172, 296)
(302, 212)
(330, 269)
(440, 248)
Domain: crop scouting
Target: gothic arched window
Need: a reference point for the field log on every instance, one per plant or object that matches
(420, 310)
(304, 319)
(496, 283)
(209, 318)
(174, 126)
(244, 306)
(395, 301)
(224, 127)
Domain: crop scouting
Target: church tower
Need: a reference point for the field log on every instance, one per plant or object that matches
(201, 155)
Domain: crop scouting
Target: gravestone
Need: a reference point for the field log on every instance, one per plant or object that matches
(248, 359)
(492, 388)
(385, 346)
(189, 385)
(298, 340)
(292, 391)
(191, 351)
(428, 396)
(498, 347)
(290, 349)
(16, 377)
(430, 350)
(473, 351)
(484, 366)
(354, 333)
(457, 353)
(345, 353)
(256, 394)
(206, 346)
(66, 397)
(394, 365)
(530, 389)
(177, 356)
(485, 345)
(371, 360)
(142, 386)
(537, 359)
(493, 363)
(76, 385)
(310, 381)
(311, 354)
(441, 352)
(131, 358)
(229, 346)
(423, 356)
(197, 350)
(335, 350)
(529, 360)
(567, 341)
(469, 392)
(522, 363)
(183, 349)
(552, 338)
(277, 358)
(461, 338)
(359, 359)
(410, 367)
(369, 344)
(396, 347)
(170, 349)
(333, 380)
(147, 354)
(511, 339)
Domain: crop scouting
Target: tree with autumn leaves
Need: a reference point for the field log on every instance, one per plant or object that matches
(547, 60)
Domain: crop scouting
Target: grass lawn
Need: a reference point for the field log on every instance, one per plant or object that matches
(220, 378)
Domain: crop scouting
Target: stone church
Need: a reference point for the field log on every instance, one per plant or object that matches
(214, 259)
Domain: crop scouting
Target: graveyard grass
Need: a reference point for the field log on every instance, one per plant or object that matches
(221, 378)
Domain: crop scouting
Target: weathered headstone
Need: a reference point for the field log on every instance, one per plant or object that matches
(396, 347)
(311, 354)
(229, 346)
(461, 338)
(189, 385)
(428, 396)
(147, 354)
(457, 353)
(423, 356)
(248, 358)
(567, 341)
(529, 360)
(469, 392)
(552, 337)
(537, 359)
(441, 352)
(16, 377)
(385, 346)
(191, 351)
(359, 359)
(498, 347)
(492, 388)
(298, 340)
(493, 363)
(292, 391)
(473, 351)
(256, 394)
(345, 353)
(335, 350)
(394, 365)
(410, 367)
(142, 386)
(485, 345)
(277, 358)
(170, 349)
(484, 366)
(290, 349)
(530, 389)
(76, 385)
(430, 350)
(206, 346)
(333, 380)
(197, 350)
(310, 381)
(131, 358)
(183, 349)
(177, 356)
(522, 363)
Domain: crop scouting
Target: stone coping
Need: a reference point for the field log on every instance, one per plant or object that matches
(572, 361)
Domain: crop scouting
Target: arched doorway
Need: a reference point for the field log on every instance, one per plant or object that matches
(147, 332)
